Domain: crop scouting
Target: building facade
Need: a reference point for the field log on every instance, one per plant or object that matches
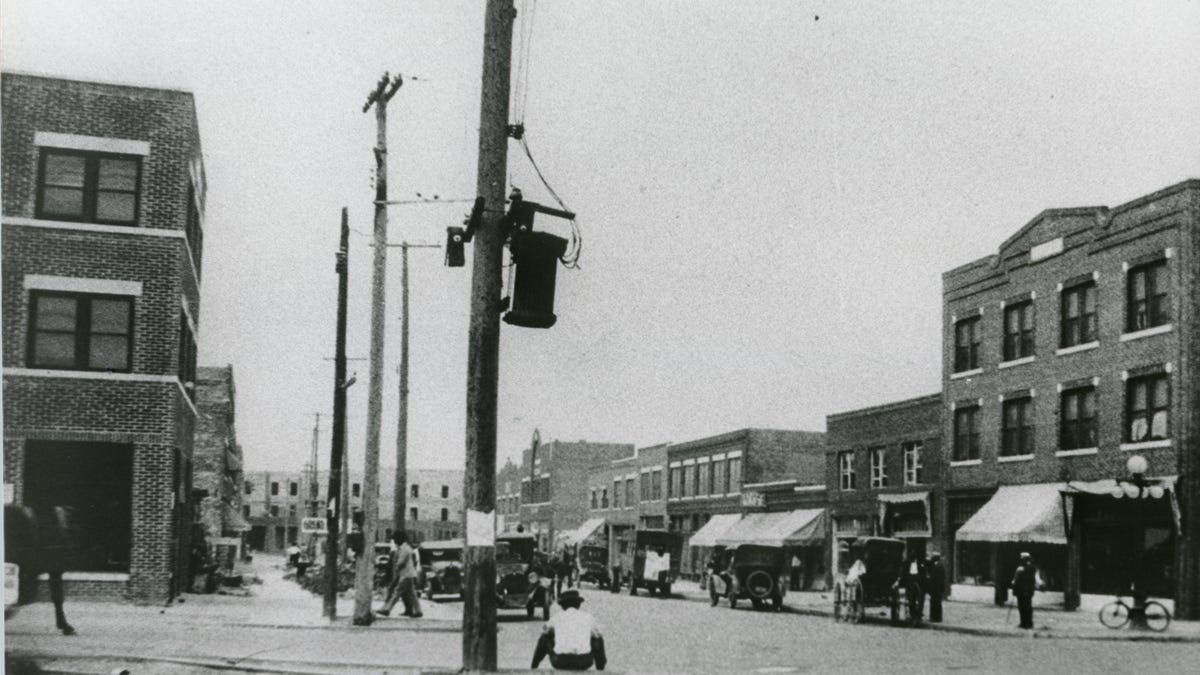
(217, 477)
(103, 215)
(1069, 351)
(883, 471)
(625, 495)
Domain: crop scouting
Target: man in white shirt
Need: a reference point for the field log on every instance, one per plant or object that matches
(571, 638)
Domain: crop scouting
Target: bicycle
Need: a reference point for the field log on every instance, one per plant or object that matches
(1153, 615)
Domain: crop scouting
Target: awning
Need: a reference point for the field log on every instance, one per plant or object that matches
(783, 528)
(904, 527)
(1019, 513)
(1162, 487)
(581, 533)
(716, 526)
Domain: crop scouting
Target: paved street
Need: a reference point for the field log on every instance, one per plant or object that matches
(643, 635)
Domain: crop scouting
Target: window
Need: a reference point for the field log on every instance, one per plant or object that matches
(88, 187)
(703, 479)
(846, 470)
(629, 500)
(1018, 330)
(604, 498)
(186, 370)
(249, 488)
(292, 510)
(914, 465)
(616, 494)
(879, 477)
(673, 486)
(1078, 315)
(966, 344)
(594, 502)
(274, 511)
(966, 433)
(696, 480)
(293, 489)
(414, 514)
(1148, 302)
(194, 230)
(415, 491)
(356, 490)
(1147, 408)
(685, 481)
(656, 484)
(1016, 434)
(644, 487)
(1077, 419)
(445, 492)
(445, 515)
(735, 475)
(274, 488)
(718, 477)
(246, 510)
(80, 332)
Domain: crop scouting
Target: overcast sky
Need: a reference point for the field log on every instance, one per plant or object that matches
(769, 191)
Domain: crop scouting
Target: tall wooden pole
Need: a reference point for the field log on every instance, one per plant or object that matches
(483, 351)
(337, 457)
(364, 579)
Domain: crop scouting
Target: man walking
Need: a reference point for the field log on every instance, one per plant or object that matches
(404, 572)
(571, 637)
(936, 574)
(1024, 582)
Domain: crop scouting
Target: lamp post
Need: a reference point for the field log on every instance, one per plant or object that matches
(1138, 487)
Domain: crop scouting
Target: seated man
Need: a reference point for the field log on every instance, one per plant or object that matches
(571, 638)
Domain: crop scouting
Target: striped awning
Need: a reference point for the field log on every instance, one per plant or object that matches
(1019, 513)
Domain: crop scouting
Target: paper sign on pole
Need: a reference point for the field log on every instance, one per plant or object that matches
(481, 528)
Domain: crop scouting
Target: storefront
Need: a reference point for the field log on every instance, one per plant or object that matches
(906, 515)
(801, 533)
(701, 544)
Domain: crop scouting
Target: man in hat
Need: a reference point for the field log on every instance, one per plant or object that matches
(571, 638)
(1024, 582)
(936, 574)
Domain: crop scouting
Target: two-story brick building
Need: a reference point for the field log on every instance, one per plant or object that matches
(1072, 349)
(103, 209)
(624, 495)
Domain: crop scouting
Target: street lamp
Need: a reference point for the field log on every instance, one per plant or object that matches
(1138, 487)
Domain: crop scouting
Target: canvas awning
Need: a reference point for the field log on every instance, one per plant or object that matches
(906, 500)
(801, 527)
(716, 526)
(1019, 513)
(581, 533)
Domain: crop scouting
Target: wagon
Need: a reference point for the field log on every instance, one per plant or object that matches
(871, 581)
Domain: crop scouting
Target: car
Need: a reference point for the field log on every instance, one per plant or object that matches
(593, 565)
(383, 564)
(756, 573)
(441, 567)
(656, 561)
(522, 575)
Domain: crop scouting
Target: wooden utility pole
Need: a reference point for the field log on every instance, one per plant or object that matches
(337, 455)
(400, 501)
(313, 488)
(364, 579)
(483, 350)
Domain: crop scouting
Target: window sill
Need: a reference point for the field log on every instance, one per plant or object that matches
(1075, 349)
(1147, 332)
(1076, 452)
(1146, 445)
(966, 462)
(1017, 362)
(1014, 458)
(966, 373)
(90, 576)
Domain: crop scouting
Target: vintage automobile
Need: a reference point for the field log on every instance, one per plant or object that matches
(753, 572)
(383, 564)
(656, 561)
(871, 581)
(441, 567)
(593, 565)
(522, 580)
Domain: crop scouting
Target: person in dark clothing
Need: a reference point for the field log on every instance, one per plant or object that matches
(935, 573)
(1024, 582)
(912, 580)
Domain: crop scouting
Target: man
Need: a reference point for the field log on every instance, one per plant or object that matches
(936, 573)
(912, 580)
(1024, 582)
(404, 571)
(571, 638)
(293, 552)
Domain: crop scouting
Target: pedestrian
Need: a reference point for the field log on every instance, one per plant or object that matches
(562, 571)
(293, 552)
(405, 575)
(571, 637)
(912, 580)
(797, 572)
(936, 574)
(1024, 583)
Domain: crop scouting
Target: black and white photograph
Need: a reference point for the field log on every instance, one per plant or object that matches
(656, 336)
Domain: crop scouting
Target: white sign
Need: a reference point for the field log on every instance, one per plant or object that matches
(753, 499)
(481, 528)
(312, 526)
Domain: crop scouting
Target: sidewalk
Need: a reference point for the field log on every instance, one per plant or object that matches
(982, 619)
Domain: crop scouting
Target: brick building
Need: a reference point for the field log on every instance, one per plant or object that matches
(103, 203)
(624, 495)
(217, 475)
(508, 497)
(1072, 349)
(705, 476)
(883, 470)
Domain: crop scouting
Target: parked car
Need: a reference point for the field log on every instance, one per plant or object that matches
(593, 565)
(656, 561)
(441, 567)
(756, 573)
(522, 580)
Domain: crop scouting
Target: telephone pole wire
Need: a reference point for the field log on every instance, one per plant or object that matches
(483, 350)
(364, 579)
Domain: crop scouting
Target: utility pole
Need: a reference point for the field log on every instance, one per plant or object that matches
(400, 502)
(364, 579)
(337, 455)
(483, 351)
(314, 488)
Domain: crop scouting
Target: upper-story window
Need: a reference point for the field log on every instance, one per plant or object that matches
(594, 503)
(686, 482)
(629, 499)
(879, 477)
(414, 514)
(673, 485)
(249, 487)
(445, 492)
(1077, 419)
(1148, 408)
(274, 488)
(1018, 330)
(703, 479)
(415, 491)
(194, 229)
(90, 187)
(914, 463)
(186, 371)
(616, 494)
(1078, 315)
(846, 470)
(1148, 301)
(656, 484)
(293, 489)
(1016, 436)
(718, 478)
(966, 344)
(735, 475)
(80, 332)
(445, 515)
(274, 511)
(356, 490)
(604, 498)
(966, 433)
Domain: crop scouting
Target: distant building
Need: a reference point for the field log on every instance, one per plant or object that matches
(508, 497)
(625, 495)
(217, 479)
(103, 217)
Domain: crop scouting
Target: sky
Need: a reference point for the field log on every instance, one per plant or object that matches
(768, 192)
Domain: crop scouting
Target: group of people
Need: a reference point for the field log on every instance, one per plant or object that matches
(923, 576)
(404, 571)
